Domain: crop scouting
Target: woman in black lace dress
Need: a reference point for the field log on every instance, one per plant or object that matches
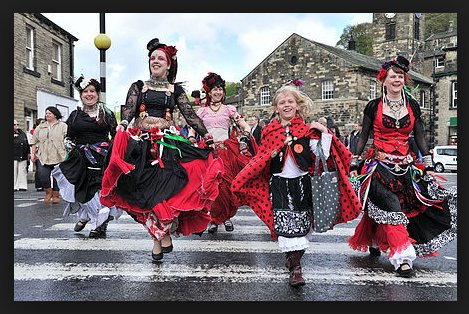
(161, 179)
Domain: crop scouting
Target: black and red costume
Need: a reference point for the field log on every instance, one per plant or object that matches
(402, 205)
(251, 185)
(158, 177)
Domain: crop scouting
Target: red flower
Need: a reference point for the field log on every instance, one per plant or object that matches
(382, 74)
(171, 50)
(370, 154)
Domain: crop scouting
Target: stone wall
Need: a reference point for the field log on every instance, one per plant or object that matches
(27, 82)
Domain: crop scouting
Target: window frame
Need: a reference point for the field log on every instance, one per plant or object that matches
(454, 95)
(264, 96)
(373, 92)
(327, 90)
(57, 63)
(30, 50)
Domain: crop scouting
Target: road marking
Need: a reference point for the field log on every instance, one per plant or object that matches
(163, 272)
(118, 228)
(26, 204)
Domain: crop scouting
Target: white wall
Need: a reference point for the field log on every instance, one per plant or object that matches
(64, 104)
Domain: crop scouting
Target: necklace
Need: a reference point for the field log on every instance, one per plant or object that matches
(157, 82)
(92, 110)
(395, 108)
(215, 110)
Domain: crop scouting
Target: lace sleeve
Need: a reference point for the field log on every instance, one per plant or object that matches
(188, 112)
(419, 136)
(367, 126)
(131, 102)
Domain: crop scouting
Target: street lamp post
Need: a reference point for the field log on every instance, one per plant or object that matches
(102, 42)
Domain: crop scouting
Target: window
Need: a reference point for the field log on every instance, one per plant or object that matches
(440, 62)
(390, 31)
(265, 96)
(417, 29)
(422, 100)
(29, 48)
(327, 90)
(454, 94)
(372, 89)
(57, 61)
(293, 60)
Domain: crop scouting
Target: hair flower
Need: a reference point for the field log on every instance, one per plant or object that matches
(83, 84)
(171, 50)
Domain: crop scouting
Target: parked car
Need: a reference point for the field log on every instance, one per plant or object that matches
(445, 158)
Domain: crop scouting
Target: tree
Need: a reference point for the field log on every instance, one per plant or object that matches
(361, 34)
(231, 88)
(439, 23)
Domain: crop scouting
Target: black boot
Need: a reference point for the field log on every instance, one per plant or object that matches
(293, 263)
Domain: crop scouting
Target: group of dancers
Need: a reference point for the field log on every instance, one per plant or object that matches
(175, 184)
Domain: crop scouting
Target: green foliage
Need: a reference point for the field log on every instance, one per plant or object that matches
(231, 88)
(439, 23)
(362, 35)
(434, 23)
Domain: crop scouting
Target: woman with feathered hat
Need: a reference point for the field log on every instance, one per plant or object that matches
(161, 179)
(406, 213)
(234, 144)
(91, 128)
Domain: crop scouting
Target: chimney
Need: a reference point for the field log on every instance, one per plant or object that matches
(351, 43)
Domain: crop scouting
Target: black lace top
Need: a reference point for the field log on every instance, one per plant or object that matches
(156, 103)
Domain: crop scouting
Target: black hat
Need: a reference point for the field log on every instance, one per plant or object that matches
(212, 80)
(170, 52)
(399, 62)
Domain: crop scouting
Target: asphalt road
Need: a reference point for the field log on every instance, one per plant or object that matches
(54, 263)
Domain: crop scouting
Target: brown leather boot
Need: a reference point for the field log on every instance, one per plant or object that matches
(293, 262)
(48, 196)
(55, 197)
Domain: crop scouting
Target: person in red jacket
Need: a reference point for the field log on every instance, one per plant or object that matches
(276, 183)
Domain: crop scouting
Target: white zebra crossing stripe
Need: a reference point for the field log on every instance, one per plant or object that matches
(193, 245)
(169, 272)
(115, 229)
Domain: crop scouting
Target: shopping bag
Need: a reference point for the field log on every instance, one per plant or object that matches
(325, 193)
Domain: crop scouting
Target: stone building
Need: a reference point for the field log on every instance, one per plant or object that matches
(43, 65)
(340, 82)
(435, 57)
(441, 63)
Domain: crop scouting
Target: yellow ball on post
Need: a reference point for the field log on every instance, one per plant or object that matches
(102, 42)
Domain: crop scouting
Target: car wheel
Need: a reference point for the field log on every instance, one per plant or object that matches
(439, 167)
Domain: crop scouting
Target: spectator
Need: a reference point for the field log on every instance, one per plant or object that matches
(48, 147)
(20, 158)
(353, 138)
(256, 128)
